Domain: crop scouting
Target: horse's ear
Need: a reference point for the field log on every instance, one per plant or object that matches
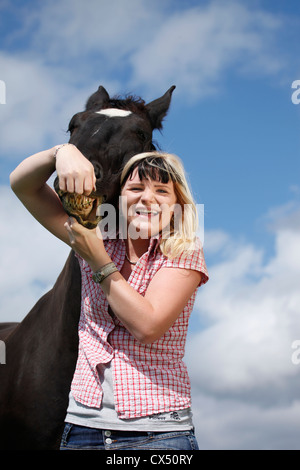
(158, 108)
(97, 99)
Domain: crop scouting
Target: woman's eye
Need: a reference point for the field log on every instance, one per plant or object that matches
(164, 191)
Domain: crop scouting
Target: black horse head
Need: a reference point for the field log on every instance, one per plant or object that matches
(108, 133)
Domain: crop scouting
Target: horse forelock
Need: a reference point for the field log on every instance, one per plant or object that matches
(130, 103)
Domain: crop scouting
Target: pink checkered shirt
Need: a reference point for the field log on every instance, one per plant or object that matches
(148, 378)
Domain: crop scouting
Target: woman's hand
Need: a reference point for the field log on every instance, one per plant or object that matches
(75, 172)
(87, 243)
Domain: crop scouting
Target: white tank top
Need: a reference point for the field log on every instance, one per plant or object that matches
(106, 417)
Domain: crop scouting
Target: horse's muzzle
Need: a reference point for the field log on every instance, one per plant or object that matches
(82, 208)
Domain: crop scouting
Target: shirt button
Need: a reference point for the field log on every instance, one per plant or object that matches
(108, 441)
(107, 433)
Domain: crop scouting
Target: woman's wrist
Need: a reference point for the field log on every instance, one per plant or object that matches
(58, 147)
(75, 172)
(104, 272)
(97, 263)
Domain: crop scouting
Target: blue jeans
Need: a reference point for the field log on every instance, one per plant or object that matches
(82, 438)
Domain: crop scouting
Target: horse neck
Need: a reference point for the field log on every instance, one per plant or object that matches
(66, 294)
(57, 313)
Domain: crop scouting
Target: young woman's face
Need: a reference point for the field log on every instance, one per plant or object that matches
(148, 205)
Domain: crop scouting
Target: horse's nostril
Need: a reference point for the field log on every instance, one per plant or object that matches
(97, 170)
(98, 173)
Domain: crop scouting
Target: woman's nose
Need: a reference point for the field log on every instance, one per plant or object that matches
(148, 196)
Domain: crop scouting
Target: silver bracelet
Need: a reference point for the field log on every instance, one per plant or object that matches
(58, 148)
(104, 272)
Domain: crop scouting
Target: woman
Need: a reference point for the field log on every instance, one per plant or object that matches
(130, 389)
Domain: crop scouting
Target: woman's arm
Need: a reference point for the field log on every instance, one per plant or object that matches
(29, 182)
(149, 317)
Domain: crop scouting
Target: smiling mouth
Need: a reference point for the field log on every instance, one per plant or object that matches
(83, 208)
(146, 213)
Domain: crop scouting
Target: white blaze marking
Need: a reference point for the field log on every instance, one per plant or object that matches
(113, 112)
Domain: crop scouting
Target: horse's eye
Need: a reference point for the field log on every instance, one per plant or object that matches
(72, 128)
(141, 135)
(73, 124)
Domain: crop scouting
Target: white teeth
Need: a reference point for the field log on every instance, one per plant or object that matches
(141, 212)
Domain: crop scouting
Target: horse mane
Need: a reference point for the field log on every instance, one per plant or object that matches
(132, 103)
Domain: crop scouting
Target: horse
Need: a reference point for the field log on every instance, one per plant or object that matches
(41, 351)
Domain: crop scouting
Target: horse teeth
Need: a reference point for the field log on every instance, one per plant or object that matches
(78, 200)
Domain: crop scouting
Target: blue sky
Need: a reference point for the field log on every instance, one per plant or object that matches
(233, 123)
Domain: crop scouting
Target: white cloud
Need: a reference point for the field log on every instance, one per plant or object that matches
(229, 424)
(156, 46)
(243, 369)
(109, 30)
(35, 104)
(161, 45)
(195, 48)
(39, 104)
(30, 259)
(64, 50)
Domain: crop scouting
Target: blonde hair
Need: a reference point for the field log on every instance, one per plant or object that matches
(165, 167)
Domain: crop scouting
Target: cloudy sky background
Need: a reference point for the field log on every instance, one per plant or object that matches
(237, 129)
